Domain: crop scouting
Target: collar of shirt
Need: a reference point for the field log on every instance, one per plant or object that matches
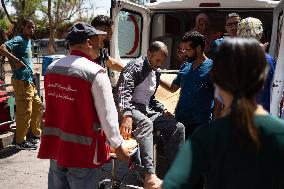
(24, 37)
(80, 53)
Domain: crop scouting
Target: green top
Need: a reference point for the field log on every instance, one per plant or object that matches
(213, 150)
(20, 47)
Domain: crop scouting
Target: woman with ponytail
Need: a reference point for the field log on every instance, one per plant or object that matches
(245, 148)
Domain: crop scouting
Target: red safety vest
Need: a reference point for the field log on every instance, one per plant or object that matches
(72, 135)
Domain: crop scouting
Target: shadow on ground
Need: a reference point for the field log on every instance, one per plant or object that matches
(7, 152)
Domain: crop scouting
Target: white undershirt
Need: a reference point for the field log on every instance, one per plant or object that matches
(143, 92)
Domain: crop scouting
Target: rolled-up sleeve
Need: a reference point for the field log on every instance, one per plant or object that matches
(14, 43)
(106, 110)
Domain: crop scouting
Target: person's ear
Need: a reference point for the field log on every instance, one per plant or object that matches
(23, 28)
(149, 54)
(198, 49)
(88, 42)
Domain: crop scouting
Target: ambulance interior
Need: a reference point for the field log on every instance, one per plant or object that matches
(169, 27)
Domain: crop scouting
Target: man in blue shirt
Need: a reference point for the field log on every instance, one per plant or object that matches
(29, 106)
(231, 27)
(196, 100)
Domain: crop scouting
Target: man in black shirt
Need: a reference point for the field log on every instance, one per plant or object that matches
(104, 23)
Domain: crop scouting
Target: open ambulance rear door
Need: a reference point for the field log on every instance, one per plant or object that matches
(277, 51)
(131, 32)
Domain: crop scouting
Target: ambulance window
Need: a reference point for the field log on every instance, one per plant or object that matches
(129, 34)
(279, 32)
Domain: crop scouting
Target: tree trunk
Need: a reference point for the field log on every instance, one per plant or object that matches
(51, 44)
(50, 47)
(8, 15)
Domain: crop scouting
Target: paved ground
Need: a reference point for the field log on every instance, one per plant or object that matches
(22, 170)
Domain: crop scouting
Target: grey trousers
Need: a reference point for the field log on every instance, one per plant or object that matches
(72, 178)
(145, 121)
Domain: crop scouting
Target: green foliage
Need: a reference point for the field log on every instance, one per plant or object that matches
(61, 14)
(26, 8)
(4, 23)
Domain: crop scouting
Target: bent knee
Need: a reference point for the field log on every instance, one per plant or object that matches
(180, 127)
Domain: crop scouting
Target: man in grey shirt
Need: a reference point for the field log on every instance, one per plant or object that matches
(140, 113)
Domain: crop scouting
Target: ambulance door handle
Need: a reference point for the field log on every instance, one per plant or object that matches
(274, 85)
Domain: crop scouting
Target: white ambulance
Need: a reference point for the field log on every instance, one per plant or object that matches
(137, 26)
(277, 51)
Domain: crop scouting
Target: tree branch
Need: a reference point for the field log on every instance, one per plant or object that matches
(5, 9)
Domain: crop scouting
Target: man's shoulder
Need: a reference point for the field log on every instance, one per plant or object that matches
(269, 58)
(185, 67)
(271, 61)
(208, 62)
(78, 62)
(136, 63)
(16, 39)
(218, 41)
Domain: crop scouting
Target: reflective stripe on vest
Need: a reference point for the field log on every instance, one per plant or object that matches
(67, 136)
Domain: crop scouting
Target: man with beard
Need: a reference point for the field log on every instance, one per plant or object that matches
(105, 24)
(29, 107)
(196, 101)
(140, 113)
(231, 27)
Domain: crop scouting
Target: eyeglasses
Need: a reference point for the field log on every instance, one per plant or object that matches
(184, 50)
(233, 24)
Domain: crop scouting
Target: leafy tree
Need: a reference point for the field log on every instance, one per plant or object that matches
(23, 9)
(60, 11)
(4, 23)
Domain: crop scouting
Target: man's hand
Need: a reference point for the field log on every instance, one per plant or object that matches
(167, 113)
(264, 45)
(122, 152)
(126, 127)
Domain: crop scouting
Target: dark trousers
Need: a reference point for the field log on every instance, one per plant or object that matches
(189, 128)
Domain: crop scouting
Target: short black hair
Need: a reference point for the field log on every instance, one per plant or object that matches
(158, 46)
(27, 20)
(195, 38)
(101, 20)
(230, 15)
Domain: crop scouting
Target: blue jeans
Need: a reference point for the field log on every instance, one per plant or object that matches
(73, 178)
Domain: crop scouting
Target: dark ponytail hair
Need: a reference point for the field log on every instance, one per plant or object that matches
(240, 68)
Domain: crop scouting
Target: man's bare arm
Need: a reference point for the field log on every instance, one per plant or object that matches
(170, 87)
(3, 51)
(113, 64)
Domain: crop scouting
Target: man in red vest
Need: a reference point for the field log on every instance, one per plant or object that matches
(81, 117)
